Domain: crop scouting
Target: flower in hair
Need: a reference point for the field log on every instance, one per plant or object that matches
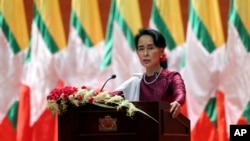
(163, 58)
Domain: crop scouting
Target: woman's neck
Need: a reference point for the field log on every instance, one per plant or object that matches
(151, 72)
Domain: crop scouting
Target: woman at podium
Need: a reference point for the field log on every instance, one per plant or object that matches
(157, 83)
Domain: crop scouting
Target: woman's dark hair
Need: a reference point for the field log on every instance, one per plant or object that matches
(158, 39)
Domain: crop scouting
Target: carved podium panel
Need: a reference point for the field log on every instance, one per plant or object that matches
(93, 123)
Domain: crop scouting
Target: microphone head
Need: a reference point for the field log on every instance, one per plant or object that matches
(113, 76)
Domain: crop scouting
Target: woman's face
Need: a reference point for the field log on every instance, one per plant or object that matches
(148, 53)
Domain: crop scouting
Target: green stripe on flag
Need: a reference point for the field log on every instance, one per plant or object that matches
(235, 19)
(8, 34)
(201, 31)
(211, 110)
(45, 32)
(28, 56)
(109, 38)
(115, 15)
(156, 17)
(12, 114)
(80, 30)
(246, 113)
(183, 57)
(125, 29)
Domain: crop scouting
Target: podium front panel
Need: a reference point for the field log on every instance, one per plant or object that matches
(93, 123)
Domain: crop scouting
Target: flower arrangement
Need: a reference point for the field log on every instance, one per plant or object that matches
(60, 98)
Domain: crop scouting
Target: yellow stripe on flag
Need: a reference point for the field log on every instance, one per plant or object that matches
(208, 12)
(242, 7)
(133, 5)
(87, 12)
(170, 13)
(49, 11)
(12, 17)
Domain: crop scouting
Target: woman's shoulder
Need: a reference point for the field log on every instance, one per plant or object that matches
(170, 75)
(167, 72)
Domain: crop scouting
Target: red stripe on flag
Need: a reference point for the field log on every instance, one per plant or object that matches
(242, 120)
(7, 132)
(184, 109)
(23, 119)
(221, 117)
(45, 128)
(204, 130)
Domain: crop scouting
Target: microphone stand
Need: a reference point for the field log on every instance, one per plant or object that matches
(112, 77)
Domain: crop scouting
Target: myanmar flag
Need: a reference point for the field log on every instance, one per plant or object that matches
(166, 18)
(35, 121)
(235, 78)
(82, 58)
(13, 42)
(204, 48)
(120, 56)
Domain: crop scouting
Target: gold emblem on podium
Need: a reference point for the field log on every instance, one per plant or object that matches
(107, 124)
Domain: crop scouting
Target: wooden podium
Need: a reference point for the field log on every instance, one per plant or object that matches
(93, 123)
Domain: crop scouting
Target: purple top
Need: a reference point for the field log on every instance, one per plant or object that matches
(169, 87)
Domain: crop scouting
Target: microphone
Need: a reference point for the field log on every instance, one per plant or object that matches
(156, 83)
(112, 77)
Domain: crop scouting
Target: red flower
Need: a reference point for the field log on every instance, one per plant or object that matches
(113, 93)
(84, 87)
(163, 57)
(65, 92)
(91, 100)
(97, 91)
(69, 90)
(65, 96)
(79, 97)
(54, 94)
